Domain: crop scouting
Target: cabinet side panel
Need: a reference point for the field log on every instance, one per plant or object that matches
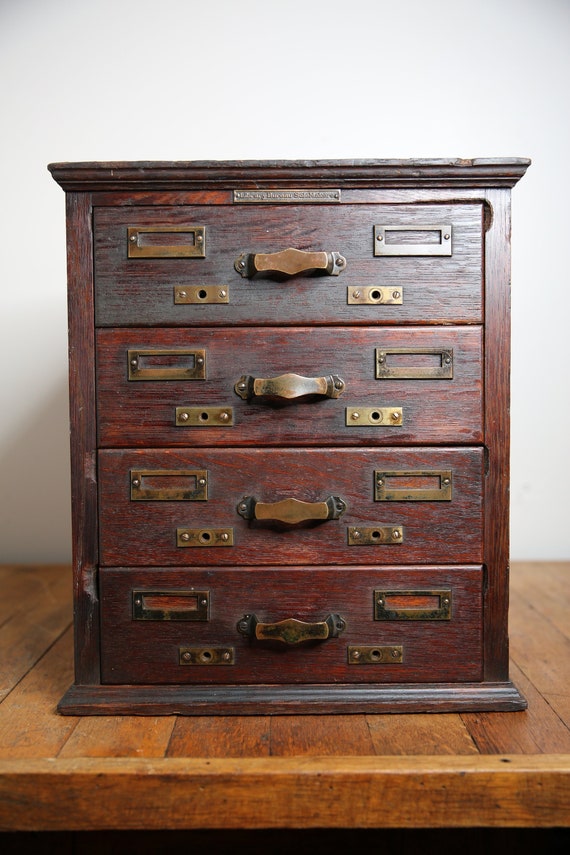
(497, 433)
(83, 436)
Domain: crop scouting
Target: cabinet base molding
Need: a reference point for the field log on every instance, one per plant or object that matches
(285, 700)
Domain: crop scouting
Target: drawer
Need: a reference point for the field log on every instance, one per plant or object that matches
(290, 625)
(290, 506)
(289, 386)
(185, 265)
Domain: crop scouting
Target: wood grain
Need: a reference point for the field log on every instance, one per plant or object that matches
(28, 628)
(300, 792)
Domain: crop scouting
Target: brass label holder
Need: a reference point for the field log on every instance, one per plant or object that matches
(159, 605)
(148, 242)
(441, 371)
(385, 491)
(439, 240)
(412, 605)
(158, 364)
(191, 485)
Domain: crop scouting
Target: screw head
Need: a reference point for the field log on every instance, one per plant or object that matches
(380, 237)
(186, 656)
(446, 237)
(396, 534)
(202, 482)
(356, 654)
(182, 295)
(224, 416)
(395, 416)
(225, 536)
(356, 534)
(185, 536)
(184, 417)
(355, 416)
(135, 482)
(396, 295)
(222, 293)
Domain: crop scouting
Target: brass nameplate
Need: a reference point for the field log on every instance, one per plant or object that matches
(285, 197)
(171, 605)
(412, 605)
(206, 655)
(374, 654)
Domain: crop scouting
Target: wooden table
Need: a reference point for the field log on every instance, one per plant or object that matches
(485, 770)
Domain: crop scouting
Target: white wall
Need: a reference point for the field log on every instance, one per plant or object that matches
(216, 79)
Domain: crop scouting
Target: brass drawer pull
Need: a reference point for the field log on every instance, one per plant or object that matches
(291, 511)
(399, 240)
(186, 242)
(289, 261)
(291, 630)
(288, 386)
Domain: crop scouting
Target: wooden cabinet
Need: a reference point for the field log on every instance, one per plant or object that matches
(290, 435)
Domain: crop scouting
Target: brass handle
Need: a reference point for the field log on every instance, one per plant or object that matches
(290, 510)
(289, 261)
(288, 386)
(291, 630)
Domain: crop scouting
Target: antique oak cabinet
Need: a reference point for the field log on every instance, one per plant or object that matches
(290, 435)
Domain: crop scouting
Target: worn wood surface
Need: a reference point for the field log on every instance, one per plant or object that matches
(436, 411)
(490, 770)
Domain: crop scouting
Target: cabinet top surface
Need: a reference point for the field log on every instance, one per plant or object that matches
(91, 176)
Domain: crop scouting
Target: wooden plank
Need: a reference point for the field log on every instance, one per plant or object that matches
(319, 792)
(546, 587)
(119, 736)
(538, 647)
(41, 616)
(533, 731)
(29, 724)
(420, 735)
(294, 736)
(220, 736)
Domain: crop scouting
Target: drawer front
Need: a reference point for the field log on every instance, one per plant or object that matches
(290, 625)
(294, 386)
(212, 265)
(290, 506)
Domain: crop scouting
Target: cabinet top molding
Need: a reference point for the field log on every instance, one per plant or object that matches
(231, 174)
